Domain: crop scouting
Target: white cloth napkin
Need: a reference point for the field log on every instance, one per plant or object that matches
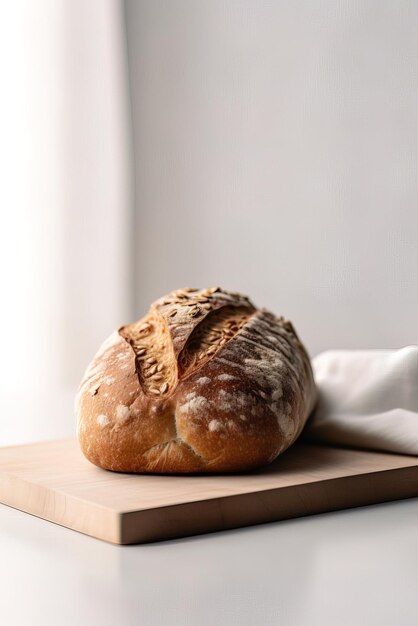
(367, 399)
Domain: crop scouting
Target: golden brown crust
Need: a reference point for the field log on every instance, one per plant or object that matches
(205, 382)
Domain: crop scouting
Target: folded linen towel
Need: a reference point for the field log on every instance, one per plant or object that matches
(367, 399)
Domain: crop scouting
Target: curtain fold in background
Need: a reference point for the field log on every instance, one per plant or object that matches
(66, 217)
(276, 145)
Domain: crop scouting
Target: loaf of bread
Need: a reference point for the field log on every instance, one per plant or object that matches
(205, 382)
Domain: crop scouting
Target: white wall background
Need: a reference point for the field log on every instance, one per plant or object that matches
(276, 146)
(276, 150)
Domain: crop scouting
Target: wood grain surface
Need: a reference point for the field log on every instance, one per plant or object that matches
(54, 481)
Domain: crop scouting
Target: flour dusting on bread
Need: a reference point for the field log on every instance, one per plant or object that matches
(205, 382)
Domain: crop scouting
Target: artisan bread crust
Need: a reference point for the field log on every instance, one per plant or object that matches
(243, 399)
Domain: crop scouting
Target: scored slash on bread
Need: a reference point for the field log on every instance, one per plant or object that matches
(205, 382)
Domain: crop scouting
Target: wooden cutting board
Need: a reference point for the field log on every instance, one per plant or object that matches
(54, 481)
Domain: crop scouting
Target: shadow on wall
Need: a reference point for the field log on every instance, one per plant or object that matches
(275, 150)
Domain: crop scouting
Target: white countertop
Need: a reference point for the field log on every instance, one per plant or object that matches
(352, 567)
